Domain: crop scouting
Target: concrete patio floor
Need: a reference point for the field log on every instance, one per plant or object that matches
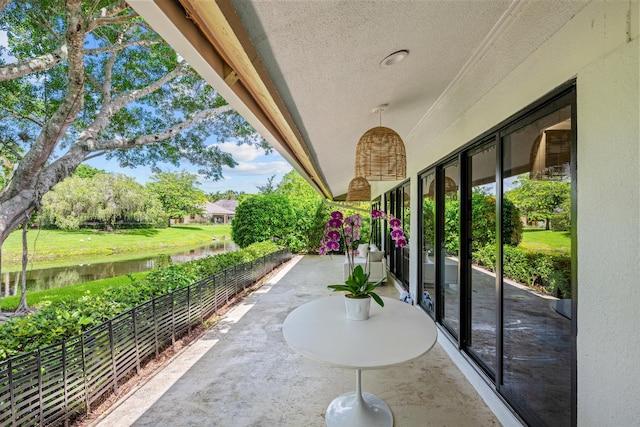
(243, 373)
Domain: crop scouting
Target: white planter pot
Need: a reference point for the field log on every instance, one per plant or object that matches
(357, 308)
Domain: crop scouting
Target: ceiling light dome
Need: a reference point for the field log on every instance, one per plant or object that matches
(394, 58)
(359, 190)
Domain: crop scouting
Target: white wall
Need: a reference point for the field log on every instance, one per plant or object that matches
(599, 47)
(609, 240)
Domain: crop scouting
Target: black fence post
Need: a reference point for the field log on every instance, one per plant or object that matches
(215, 295)
(155, 326)
(11, 393)
(134, 317)
(113, 358)
(39, 365)
(173, 320)
(84, 374)
(65, 381)
(189, 309)
(226, 284)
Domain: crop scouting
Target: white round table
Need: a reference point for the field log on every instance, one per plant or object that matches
(393, 334)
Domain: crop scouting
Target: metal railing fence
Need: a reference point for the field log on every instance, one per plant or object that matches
(53, 384)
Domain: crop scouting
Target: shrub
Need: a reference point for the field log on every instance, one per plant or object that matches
(484, 222)
(561, 220)
(54, 323)
(262, 218)
(536, 269)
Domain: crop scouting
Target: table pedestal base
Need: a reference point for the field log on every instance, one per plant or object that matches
(358, 409)
(347, 410)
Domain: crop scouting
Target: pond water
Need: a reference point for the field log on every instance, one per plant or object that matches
(85, 271)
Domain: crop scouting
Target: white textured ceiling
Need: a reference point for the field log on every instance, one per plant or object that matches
(324, 58)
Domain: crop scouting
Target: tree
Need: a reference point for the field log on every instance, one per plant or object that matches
(262, 218)
(225, 195)
(86, 171)
(91, 78)
(105, 197)
(178, 194)
(539, 199)
(268, 188)
(310, 212)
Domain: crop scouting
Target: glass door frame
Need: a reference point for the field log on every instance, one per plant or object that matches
(563, 96)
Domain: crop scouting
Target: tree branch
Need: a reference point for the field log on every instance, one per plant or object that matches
(118, 144)
(38, 17)
(24, 117)
(4, 4)
(124, 99)
(122, 46)
(108, 15)
(33, 65)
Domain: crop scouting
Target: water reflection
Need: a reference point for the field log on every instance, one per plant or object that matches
(58, 277)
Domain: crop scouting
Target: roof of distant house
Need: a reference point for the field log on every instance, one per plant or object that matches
(216, 209)
(230, 205)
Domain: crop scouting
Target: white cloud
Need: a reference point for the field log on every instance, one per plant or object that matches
(241, 153)
(269, 168)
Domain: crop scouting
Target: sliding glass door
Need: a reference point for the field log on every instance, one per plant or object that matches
(536, 213)
(498, 257)
(483, 302)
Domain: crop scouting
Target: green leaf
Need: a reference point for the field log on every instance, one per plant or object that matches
(377, 298)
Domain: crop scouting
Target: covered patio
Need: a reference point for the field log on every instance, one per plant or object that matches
(241, 372)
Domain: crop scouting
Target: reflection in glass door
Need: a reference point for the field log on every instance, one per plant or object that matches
(536, 269)
(450, 249)
(483, 295)
(428, 297)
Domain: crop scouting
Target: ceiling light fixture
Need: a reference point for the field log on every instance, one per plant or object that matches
(359, 190)
(394, 58)
(380, 153)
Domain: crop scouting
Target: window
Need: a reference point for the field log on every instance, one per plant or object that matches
(428, 296)
(398, 205)
(497, 270)
(536, 208)
(482, 281)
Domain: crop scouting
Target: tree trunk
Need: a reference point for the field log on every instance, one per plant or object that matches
(23, 308)
(546, 225)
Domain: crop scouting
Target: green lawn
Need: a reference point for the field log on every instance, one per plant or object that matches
(52, 246)
(538, 240)
(34, 299)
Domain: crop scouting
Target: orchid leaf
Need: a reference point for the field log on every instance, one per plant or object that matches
(377, 298)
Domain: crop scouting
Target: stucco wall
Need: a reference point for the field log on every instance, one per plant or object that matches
(599, 48)
(609, 240)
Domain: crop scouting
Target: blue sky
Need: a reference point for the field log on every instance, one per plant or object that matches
(254, 169)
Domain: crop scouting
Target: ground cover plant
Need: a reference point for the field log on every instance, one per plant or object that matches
(39, 298)
(54, 322)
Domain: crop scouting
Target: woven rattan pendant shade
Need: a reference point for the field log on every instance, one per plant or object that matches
(380, 155)
(359, 190)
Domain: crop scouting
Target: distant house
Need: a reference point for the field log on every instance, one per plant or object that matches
(220, 212)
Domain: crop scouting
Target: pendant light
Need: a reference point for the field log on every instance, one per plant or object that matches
(380, 153)
(359, 190)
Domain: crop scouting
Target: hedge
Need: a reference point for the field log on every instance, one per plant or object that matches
(53, 323)
(552, 272)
